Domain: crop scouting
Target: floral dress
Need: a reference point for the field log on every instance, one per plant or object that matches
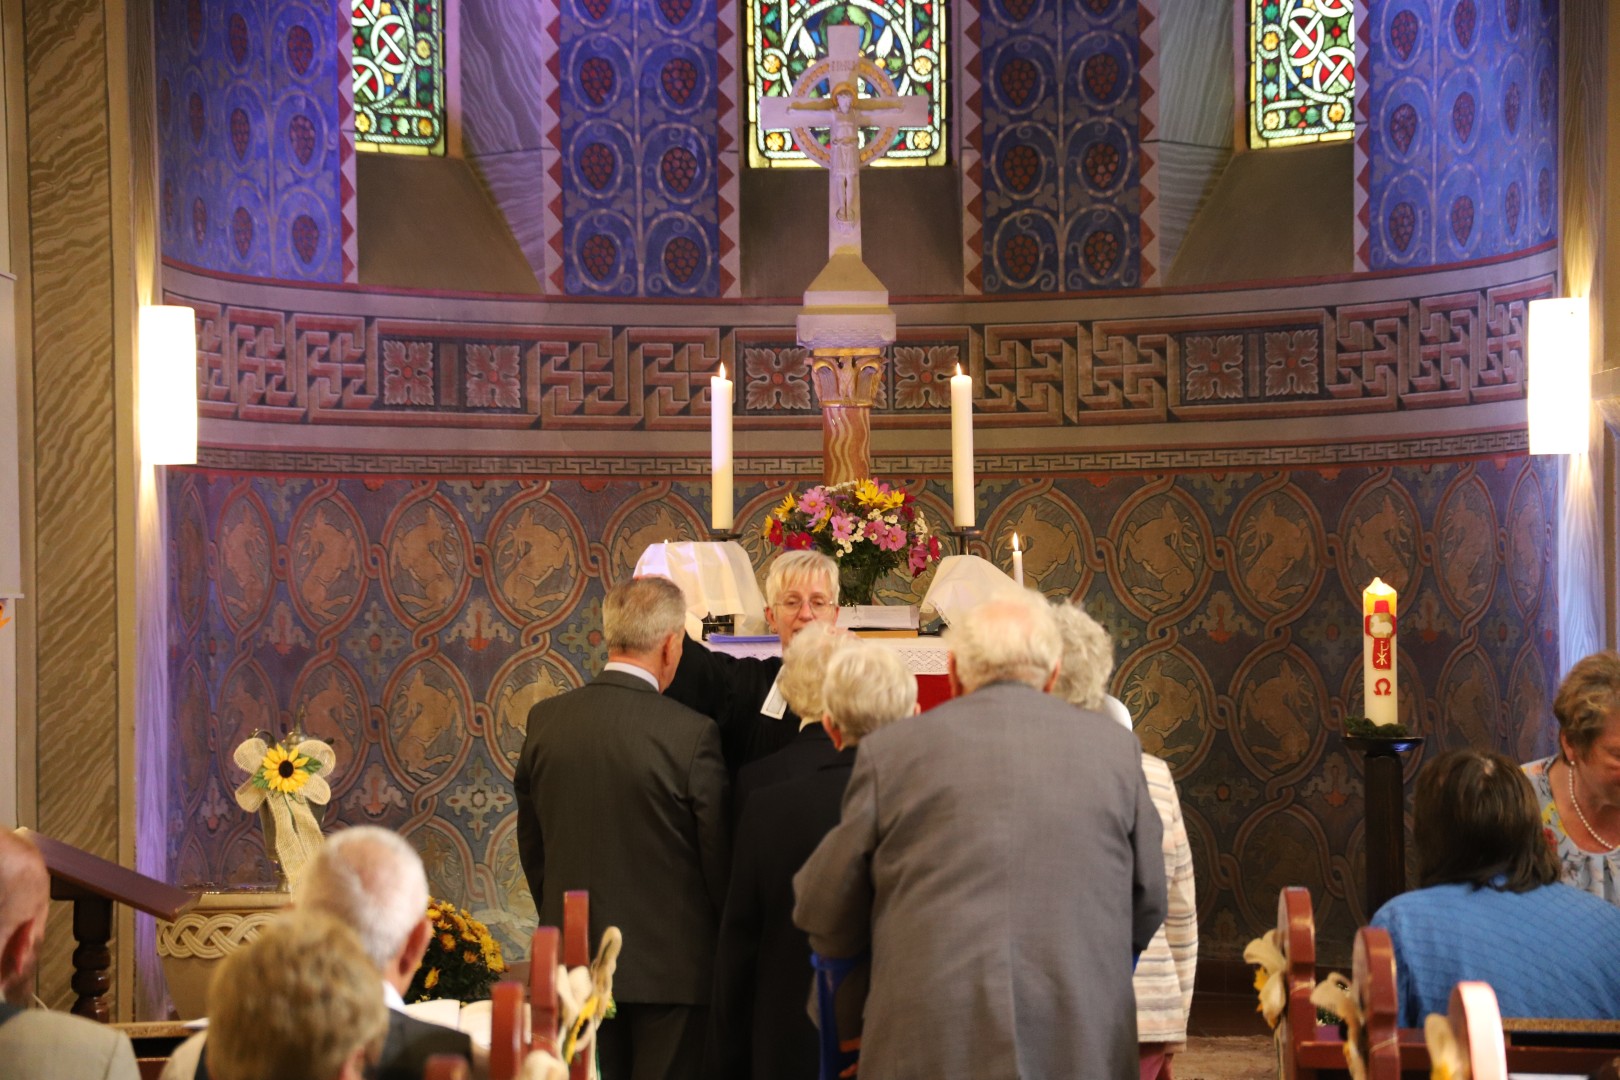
(1594, 872)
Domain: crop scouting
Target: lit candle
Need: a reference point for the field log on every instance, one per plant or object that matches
(1378, 653)
(721, 508)
(1018, 562)
(962, 449)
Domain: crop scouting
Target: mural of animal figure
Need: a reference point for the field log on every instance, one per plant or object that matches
(244, 549)
(1046, 546)
(429, 558)
(327, 554)
(1275, 546)
(241, 714)
(1160, 704)
(426, 724)
(529, 555)
(1380, 541)
(1159, 547)
(1466, 542)
(1471, 708)
(663, 526)
(331, 713)
(1529, 535)
(516, 698)
(1280, 705)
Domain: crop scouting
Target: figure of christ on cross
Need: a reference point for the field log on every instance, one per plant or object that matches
(844, 68)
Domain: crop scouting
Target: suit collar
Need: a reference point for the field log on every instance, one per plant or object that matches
(624, 679)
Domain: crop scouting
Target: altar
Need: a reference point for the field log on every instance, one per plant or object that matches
(923, 655)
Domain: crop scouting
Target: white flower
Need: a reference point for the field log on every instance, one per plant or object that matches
(1269, 980)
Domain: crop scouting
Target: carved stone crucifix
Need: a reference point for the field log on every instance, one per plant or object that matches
(844, 112)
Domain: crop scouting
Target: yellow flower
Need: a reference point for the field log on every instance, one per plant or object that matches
(284, 771)
(432, 979)
(448, 941)
(470, 956)
(787, 507)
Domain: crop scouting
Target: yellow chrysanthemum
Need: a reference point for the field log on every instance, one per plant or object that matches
(448, 941)
(432, 978)
(284, 771)
(470, 956)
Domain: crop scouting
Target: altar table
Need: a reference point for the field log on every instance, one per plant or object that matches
(923, 656)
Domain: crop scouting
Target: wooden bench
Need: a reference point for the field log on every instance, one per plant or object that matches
(511, 1039)
(1309, 1050)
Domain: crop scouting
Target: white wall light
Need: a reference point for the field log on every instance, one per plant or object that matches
(168, 384)
(1559, 396)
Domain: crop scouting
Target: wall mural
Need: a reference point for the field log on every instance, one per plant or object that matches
(413, 621)
(251, 136)
(1461, 140)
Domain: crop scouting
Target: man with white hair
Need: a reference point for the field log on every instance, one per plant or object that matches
(371, 880)
(762, 968)
(741, 693)
(999, 856)
(39, 1044)
(622, 792)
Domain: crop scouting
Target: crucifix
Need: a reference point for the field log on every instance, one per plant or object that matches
(846, 320)
(844, 112)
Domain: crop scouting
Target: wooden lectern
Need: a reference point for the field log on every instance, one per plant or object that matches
(93, 884)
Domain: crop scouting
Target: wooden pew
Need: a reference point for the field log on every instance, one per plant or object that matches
(511, 1039)
(1476, 1025)
(1531, 1044)
(445, 1067)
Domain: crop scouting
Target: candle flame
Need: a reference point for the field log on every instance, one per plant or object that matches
(722, 372)
(1015, 546)
(958, 370)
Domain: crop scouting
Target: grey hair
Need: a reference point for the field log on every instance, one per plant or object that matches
(804, 667)
(1088, 657)
(637, 615)
(371, 880)
(1009, 639)
(868, 686)
(801, 566)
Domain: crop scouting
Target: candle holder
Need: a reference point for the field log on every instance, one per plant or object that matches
(1384, 806)
(718, 624)
(963, 537)
(720, 536)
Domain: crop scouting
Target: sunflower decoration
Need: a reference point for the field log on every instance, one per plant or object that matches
(1339, 996)
(1445, 1053)
(1270, 970)
(284, 778)
(462, 961)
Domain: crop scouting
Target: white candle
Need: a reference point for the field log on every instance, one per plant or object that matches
(721, 509)
(1378, 653)
(962, 449)
(1018, 562)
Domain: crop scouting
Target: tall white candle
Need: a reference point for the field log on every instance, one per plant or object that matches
(1018, 562)
(962, 449)
(1379, 654)
(722, 508)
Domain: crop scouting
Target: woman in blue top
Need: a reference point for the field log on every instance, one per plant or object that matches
(1491, 906)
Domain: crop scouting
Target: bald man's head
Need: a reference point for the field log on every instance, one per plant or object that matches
(24, 896)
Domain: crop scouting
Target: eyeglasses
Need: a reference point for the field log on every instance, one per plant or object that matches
(792, 605)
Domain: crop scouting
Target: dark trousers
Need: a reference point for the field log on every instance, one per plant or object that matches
(653, 1042)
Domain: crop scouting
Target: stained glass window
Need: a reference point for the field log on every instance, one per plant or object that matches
(1302, 71)
(906, 38)
(399, 75)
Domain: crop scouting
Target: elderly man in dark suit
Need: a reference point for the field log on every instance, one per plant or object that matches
(762, 970)
(740, 693)
(621, 791)
(999, 856)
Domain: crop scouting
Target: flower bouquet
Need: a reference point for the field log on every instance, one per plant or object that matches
(869, 528)
(462, 961)
(288, 789)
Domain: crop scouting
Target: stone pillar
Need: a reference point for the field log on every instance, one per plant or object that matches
(846, 382)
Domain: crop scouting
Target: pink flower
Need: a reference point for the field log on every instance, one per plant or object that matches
(887, 537)
(813, 503)
(843, 527)
(918, 560)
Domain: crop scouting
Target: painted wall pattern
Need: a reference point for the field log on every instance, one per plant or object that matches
(640, 93)
(281, 366)
(1057, 144)
(252, 143)
(414, 620)
(1459, 156)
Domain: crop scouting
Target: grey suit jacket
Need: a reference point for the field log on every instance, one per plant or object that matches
(622, 792)
(44, 1045)
(1000, 856)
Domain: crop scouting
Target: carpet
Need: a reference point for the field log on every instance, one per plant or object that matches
(1231, 1057)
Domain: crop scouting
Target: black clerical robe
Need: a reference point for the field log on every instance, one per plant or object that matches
(732, 690)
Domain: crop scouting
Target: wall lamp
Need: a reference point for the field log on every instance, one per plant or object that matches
(1559, 396)
(168, 384)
